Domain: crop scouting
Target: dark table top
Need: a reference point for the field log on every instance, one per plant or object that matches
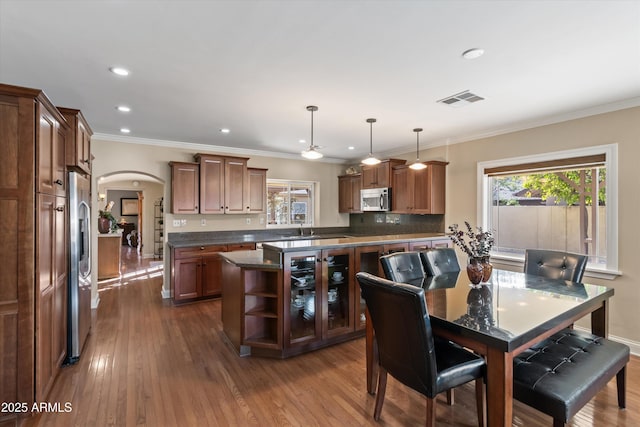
(511, 309)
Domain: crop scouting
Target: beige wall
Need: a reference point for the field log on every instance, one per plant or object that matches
(621, 127)
(113, 157)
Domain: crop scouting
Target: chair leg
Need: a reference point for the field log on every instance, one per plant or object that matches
(382, 388)
(621, 382)
(431, 412)
(450, 397)
(480, 402)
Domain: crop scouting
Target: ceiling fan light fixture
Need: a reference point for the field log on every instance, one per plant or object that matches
(312, 153)
(371, 159)
(417, 165)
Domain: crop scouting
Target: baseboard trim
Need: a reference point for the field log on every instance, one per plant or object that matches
(634, 346)
(95, 302)
(166, 294)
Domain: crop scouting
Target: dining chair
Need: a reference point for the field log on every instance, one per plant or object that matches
(440, 261)
(409, 351)
(555, 264)
(403, 267)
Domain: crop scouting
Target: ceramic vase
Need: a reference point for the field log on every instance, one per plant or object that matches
(487, 268)
(475, 270)
(104, 224)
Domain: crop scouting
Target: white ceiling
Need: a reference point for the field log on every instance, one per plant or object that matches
(253, 66)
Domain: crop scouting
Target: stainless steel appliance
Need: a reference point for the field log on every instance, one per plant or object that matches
(79, 321)
(375, 199)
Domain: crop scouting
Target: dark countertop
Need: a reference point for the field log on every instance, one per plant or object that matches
(250, 259)
(298, 244)
(191, 239)
(255, 259)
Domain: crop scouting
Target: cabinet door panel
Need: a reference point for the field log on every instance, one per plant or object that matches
(212, 185)
(257, 190)
(185, 184)
(338, 291)
(402, 191)
(187, 280)
(47, 135)
(236, 186)
(302, 289)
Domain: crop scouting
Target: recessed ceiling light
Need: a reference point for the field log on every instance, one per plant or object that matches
(351, 147)
(125, 130)
(119, 71)
(123, 108)
(302, 141)
(225, 130)
(474, 53)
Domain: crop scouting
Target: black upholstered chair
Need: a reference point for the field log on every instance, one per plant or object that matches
(440, 261)
(403, 267)
(555, 264)
(408, 350)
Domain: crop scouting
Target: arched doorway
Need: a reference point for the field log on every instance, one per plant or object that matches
(134, 197)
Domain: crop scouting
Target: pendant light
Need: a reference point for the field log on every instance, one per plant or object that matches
(371, 160)
(417, 165)
(312, 153)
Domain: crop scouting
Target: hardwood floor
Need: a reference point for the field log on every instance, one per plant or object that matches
(149, 363)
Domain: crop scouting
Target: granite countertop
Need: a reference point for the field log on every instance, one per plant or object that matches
(298, 244)
(186, 240)
(250, 259)
(256, 259)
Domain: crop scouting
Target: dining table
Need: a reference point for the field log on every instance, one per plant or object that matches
(501, 318)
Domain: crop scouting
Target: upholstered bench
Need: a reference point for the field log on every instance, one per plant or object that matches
(559, 375)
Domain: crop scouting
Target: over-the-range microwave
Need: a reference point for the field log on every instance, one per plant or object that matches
(375, 199)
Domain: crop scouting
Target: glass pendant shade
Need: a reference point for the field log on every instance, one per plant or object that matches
(417, 165)
(371, 160)
(312, 153)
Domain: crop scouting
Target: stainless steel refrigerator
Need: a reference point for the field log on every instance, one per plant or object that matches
(79, 321)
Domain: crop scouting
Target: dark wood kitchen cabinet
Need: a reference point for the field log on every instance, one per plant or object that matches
(34, 256)
(419, 191)
(257, 198)
(196, 272)
(78, 146)
(185, 184)
(224, 184)
(379, 176)
(349, 193)
(319, 291)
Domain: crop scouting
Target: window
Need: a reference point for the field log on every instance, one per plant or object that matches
(564, 201)
(290, 203)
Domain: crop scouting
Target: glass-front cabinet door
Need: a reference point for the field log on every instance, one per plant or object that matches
(303, 286)
(338, 295)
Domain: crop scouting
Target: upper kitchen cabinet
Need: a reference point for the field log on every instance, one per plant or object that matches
(349, 193)
(379, 176)
(52, 135)
(224, 184)
(185, 181)
(257, 190)
(419, 191)
(78, 141)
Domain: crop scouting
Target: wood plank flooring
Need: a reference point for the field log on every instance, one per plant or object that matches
(148, 363)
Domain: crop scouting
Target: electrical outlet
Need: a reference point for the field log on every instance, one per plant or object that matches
(248, 220)
(176, 223)
(203, 222)
(183, 222)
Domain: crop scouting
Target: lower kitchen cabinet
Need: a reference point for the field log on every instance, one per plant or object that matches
(320, 286)
(196, 272)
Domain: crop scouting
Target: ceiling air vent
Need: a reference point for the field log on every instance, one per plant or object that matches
(460, 99)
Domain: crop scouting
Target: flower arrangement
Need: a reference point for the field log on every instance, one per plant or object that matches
(476, 244)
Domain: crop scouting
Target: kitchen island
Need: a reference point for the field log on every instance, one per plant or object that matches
(300, 295)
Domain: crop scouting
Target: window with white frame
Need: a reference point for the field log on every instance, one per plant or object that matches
(564, 201)
(290, 203)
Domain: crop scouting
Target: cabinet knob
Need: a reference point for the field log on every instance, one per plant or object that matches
(318, 260)
(60, 208)
(59, 182)
(202, 248)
